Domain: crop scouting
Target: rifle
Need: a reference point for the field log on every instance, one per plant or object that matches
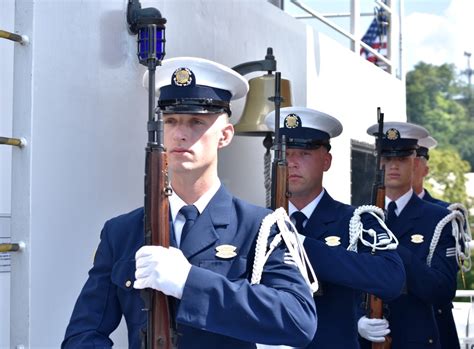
(280, 192)
(150, 27)
(374, 303)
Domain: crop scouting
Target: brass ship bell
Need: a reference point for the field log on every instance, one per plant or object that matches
(258, 105)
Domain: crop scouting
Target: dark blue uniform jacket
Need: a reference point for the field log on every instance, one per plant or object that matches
(344, 274)
(411, 316)
(219, 308)
(444, 313)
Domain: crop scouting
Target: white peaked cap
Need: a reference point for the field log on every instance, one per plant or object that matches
(206, 72)
(427, 142)
(308, 119)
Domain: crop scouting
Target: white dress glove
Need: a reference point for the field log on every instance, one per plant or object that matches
(161, 268)
(373, 330)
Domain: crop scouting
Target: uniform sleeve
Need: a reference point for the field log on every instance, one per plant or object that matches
(279, 310)
(97, 310)
(381, 273)
(439, 279)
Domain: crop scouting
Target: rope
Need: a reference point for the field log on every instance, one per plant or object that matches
(381, 241)
(267, 175)
(462, 237)
(288, 235)
(451, 217)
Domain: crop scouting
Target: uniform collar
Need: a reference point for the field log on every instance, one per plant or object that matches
(401, 202)
(176, 203)
(309, 208)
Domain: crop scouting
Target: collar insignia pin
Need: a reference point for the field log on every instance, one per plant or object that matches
(226, 251)
(333, 240)
(417, 238)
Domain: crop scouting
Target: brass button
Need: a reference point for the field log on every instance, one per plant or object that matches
(128, 283)
(430, 341)
(440, 311)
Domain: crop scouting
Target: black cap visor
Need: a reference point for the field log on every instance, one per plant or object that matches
(194, 106)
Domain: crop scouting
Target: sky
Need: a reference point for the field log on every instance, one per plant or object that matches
(438, 31)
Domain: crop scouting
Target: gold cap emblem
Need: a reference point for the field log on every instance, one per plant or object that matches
(417, 238)
(182, 77)
(292, 121)
(226, 251)
(333, 240)
(392, 134)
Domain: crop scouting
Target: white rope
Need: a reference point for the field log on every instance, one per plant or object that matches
(454, 217)
(381, 241)
(267, 177)
(462, 237)
(289, 235)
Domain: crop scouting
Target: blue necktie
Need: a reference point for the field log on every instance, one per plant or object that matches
(190, 213)
(391, 215)
(299, 218)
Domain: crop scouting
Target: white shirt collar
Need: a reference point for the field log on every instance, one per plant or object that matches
(401, 202)
(309, 208)
(176, 203)
(422, 194)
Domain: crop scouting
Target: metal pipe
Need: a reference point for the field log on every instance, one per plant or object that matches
(387, 8)
(336, 15)
(22, 39)
(12, 247)
(17, 142)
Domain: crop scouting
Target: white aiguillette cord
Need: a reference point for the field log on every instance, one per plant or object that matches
(463, 237)
(289, 235)
(387, 241)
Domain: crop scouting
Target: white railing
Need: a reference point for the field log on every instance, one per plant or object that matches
(354, 35)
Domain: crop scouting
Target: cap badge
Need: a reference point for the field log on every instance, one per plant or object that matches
(417, 238)
(182, 77)
(392, 134)
(333, 240)
(226, 251)
(292, 121)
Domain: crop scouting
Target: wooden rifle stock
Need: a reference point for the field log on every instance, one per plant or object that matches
(150, 27)
(374, 303)
(281, 185)
(160, 325)
(280, 192)
(159, 330)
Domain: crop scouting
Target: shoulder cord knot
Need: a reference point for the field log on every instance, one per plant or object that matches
(381, 241)
(287, 234)
(462, 238)
(457, 219)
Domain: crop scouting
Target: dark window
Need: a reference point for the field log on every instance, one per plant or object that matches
(362, 172)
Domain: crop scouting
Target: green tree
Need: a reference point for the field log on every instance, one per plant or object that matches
(435, 100)
(447, 175)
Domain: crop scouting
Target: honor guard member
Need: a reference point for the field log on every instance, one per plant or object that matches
(209, 265)
(425, 240)
(443, 313)
(328, 227)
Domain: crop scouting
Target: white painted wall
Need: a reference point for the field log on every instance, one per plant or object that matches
(6, 102)
(341, 84)
(78, 99)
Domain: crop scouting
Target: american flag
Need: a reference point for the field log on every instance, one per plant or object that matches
(376, 37)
